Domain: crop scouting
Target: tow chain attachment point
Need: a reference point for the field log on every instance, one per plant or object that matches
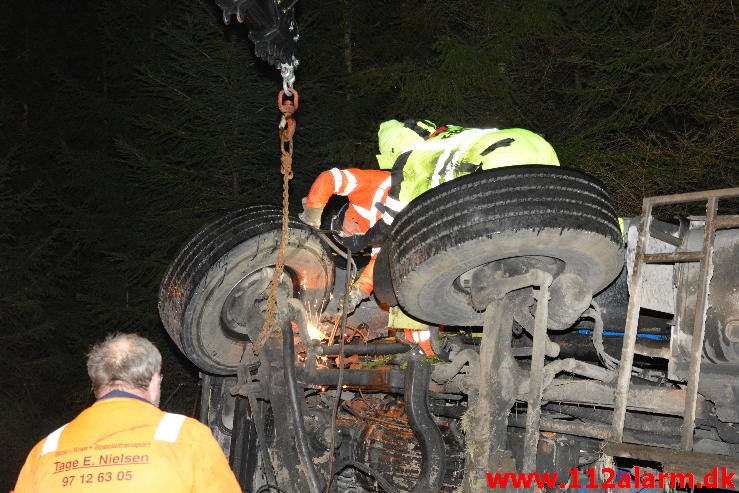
(287, 71)
(287, 107)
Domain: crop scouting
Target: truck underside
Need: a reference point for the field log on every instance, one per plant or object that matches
(560, 347)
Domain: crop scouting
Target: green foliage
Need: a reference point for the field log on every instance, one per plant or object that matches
(376, 362)
(431, 360)
(649, 94)
(627, 91)
(203, 137)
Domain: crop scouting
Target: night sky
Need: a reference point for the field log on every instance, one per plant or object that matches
(125, 125)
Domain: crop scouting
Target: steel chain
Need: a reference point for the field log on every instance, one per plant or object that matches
(286, 131)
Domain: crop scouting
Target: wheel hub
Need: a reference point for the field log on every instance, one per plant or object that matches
(245, 308)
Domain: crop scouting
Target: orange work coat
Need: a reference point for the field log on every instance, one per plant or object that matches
(364, 188)
(123, 444)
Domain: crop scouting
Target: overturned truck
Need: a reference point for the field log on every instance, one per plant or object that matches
(569, 342)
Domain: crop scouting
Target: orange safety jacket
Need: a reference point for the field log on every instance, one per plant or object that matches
(364, 188)
(123, 444)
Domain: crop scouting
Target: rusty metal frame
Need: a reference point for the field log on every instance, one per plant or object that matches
(536, 374)
(704, 256)
(674, 460)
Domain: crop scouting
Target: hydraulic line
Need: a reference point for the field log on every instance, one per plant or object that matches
(433, 464)
(269, 470)
(340, 383)
(288, 354)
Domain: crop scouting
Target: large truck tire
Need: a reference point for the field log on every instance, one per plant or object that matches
(518, 211)
(212, 297)
(383, 283)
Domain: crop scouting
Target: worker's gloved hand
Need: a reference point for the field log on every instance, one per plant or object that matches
(311, 215)
(355, 243)
(378, 233)
(355, 297)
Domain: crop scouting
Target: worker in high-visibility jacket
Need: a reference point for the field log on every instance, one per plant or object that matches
(365, 189)
(123, 442)
(422, 155)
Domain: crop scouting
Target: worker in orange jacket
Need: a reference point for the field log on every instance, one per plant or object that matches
(367, 191)
(123, 442)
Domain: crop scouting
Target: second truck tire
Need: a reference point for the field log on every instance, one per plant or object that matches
(212, 298)
(504, 213)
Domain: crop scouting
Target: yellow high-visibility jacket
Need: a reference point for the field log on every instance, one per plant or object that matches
(458, 151)
(123, 444)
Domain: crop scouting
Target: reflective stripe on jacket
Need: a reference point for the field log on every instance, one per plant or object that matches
(123, 444)
(364, 188)
(460, 151)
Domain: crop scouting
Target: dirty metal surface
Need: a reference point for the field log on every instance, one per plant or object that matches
(536, 376)
(642, 257)
(640, 397)
(389, 446)
(699, 325)
(499, 379)
(385, 380)
(675, 460)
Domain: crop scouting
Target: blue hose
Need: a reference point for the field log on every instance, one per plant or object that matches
(654, 337)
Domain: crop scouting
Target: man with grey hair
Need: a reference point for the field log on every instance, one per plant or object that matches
(124, 442)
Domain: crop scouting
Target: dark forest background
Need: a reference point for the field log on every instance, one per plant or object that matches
(125, 125)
